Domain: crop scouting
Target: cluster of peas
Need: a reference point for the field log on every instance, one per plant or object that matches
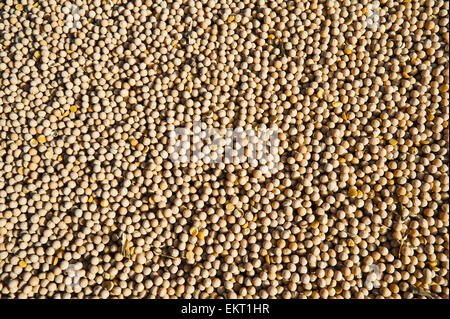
(92, 206)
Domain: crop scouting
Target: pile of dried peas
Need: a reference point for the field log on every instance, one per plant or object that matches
(93, 206)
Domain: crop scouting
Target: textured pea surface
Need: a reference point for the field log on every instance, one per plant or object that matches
(92, 204)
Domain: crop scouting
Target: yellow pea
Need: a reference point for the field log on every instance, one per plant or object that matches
(133, 142)
(73, 108)
(393, 142)
(42, 139)
(231, 19)
(443, 88)
(353, 192)
(229, 207)
(201, 235)
(394, 288)
(190, 255)
(320, 94)
(22, 264)
(193, 231)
